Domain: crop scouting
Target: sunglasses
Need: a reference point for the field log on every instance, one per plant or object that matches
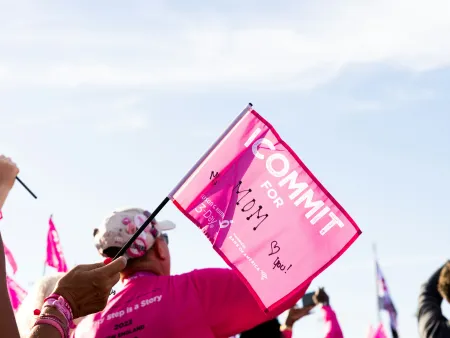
(165, 238)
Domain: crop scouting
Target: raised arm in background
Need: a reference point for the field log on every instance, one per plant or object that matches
(332, 327)
(432, 323)
(8, 327)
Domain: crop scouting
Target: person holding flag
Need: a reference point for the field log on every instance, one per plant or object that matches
(203, 303)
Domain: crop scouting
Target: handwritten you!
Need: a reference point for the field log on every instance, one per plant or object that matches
(274, 249)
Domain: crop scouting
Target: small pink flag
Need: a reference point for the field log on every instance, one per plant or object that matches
(55, 256)
(16, 293)
(264, 212)
(378, 333)
(10, 259)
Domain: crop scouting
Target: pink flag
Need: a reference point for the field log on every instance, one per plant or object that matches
(55, 256)
(264, 212)
(16, 293)
(378, 333)
(10, 259)
(385, 301)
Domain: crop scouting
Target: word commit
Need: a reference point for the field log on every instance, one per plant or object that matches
(302, 193)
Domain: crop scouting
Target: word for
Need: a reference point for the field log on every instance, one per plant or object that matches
(272, 194)
(241, 246)
(302, 192)
(214, 176)
(212, 205)
(249, 206)
(129, 309)
(126, 333)
(274, 249)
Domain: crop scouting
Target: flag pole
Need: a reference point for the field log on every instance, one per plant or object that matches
(142, 228)
(374, 247)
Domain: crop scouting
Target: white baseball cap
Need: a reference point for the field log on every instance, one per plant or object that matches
(118, 228)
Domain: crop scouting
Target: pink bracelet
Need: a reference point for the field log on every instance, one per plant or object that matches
(53, 322)
(62, 306)
(62, 300)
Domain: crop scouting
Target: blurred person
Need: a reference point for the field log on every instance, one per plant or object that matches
(332, 327)
(203, 303)
(273, 329)
(81, 291)
(43, 288)
(432, 322)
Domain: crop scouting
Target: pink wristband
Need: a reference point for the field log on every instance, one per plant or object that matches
(52, 322)
(62, 306)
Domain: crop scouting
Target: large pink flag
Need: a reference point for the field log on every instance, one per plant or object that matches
(10, 259)
(16, 293)
(55, 256)
(264, 212)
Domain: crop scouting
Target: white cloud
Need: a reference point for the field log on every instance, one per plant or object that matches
(210, 49)
(124, 123)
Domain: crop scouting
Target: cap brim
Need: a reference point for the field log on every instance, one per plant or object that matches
(165, 225)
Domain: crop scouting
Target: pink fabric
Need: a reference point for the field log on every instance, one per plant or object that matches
(378, 333)
(16, 293)
(264, 212)
(207, 303)
(286, 334)
(10, 258)
(55, 256)
(333, 329)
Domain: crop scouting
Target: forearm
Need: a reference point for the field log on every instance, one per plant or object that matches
(3, 196)
(8, 326)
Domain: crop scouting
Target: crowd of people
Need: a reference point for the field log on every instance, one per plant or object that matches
(205, 303)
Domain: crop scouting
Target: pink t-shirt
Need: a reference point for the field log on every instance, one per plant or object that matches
(207, 303)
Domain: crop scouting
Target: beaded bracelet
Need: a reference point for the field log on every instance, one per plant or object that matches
(54, 322)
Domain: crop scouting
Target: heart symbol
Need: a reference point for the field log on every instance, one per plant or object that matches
(274, 248)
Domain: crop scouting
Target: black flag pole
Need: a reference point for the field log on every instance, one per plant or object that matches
(142, 228)
(182, 182)
(25, 186)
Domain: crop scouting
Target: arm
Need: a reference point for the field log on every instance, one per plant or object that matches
(228, 304)
(8, 325)
(432, 323)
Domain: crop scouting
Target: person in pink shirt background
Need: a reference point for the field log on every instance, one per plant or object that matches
(205, 303)
(272, 329)
(332, 327)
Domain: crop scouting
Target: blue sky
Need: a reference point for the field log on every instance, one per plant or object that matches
(106, 105)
